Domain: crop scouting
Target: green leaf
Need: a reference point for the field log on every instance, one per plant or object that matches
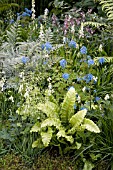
(62, 133)
(67, 107)
(49, 108)
(51, 122)
(91, 126)
(37, 143)
(46, 136)
(78, 118)
(36, 127)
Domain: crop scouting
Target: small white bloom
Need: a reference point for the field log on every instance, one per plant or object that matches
(46, 12)
(100, 48)
(26, 94)
(20, 88)
(50, 86)
(95, 78)
(11, 98)
(73, 29)
(106, 97)
(84, 88)
(78, 99)
(49, 79)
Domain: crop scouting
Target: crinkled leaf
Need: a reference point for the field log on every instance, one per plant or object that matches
(67, 109)
(38, 143)
(46, 136)
(51, 122)
(62, 133)
(49, 108)
(36, 127)
(78, 118)
(91, 126)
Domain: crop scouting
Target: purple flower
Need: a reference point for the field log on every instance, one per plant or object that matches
(101, 60)
(63, 63)
(47, 46)
(83, 50)
(72, 44)
(65, 76)
(90, 62)
(24, 59)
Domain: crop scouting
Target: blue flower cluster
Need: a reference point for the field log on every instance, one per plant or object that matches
(65, 76)
(26, 13)
(101, 60)
(72, 44)
(88, 77)
(83, 50)
(11, 21)
(24, 59)
(63, 63)
(46, 46)
(90, 62)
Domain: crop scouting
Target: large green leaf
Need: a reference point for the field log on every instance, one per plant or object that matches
(67, 107)
(78, 118)
(91, 126)
(46, 136)
(49, 108)
(38, 143)
(51, 122)
(36, 127)
(62, 133)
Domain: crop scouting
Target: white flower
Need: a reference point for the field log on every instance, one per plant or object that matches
(46, 12)
(20, 88)
(11, 98)
(95, 78)
(78, 99)
(73, 29)
(84, 88)
(100, 48)
(106, 97)
(50, 86)
(49, 79)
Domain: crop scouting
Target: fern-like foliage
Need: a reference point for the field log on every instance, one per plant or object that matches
(60, 123)
(107, 6)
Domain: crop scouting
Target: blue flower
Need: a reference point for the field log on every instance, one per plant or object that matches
(24, 59)
(101, 60)
(72, 44)
(79, 79)
(88, 78)
(65, 76)
(63, 63)
(90, 62)
(25, 14)
(28, 11)
(97, 99)
(83, 50)
(94, 91)
(11, 21)
(47, 46)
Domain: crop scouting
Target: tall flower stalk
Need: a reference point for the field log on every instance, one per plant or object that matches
(33, 9)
